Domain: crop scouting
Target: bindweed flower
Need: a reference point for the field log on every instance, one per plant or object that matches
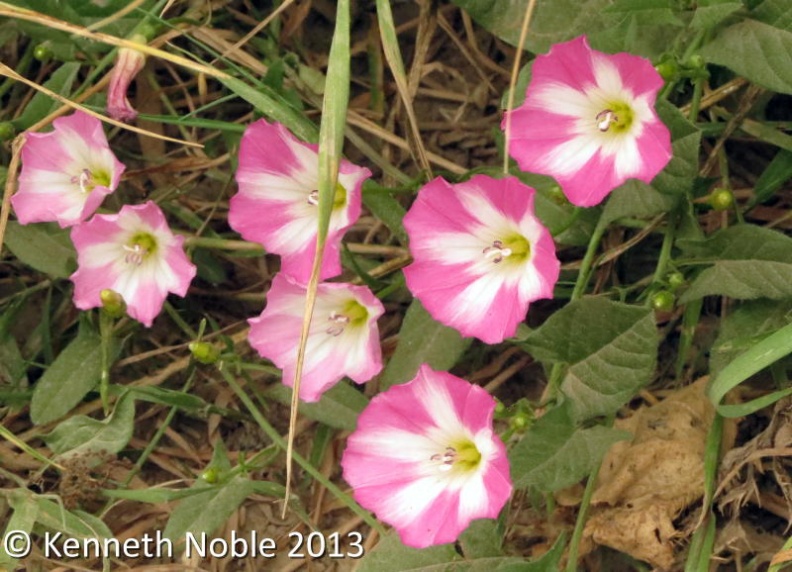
(343, 339)
(135, 254)
(480, 255)
(66, 173)
(278, 196)
(128, 64)
(425, 460)
(588, 120)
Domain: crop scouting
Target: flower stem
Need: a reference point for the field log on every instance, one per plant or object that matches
(585, 504)
(665, 252)
(273, 434)
(106, 336)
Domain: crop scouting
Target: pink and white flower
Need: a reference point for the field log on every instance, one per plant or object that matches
(588, 120)
(343, 339)
(480, 255)
(278, 196)
(128, 64)
(424, 458)
(135, 254)
(66, 173)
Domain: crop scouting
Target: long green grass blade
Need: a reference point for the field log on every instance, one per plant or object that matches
(331, 143)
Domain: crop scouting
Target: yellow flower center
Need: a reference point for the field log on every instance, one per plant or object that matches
(617, 117)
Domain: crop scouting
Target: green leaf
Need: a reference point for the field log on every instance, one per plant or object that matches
(482, 539)
(169, 397)
(744, 327)
(679, 174)
(54, 516)
(422, 340)
(207, 510)
(707, 17)
(608, 364)
(42, 105)
(83, 436)
(636, 199)
(75, 372)
(553, 21)
(338, 407)
(44, 247)
(12, 364)
(555, 454)
(652, 12)
(766, 352)
(388, 210)
(390, 555)
(776, 174)
(748, 262)
(757, 51)
(777, 13)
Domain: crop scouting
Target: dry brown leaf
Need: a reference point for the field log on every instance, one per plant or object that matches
(645, 483)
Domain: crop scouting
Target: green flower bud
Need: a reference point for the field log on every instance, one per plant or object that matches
(557, 195)
(668, 70)
(520, 422)
(210, 475)
(7, 131)
(696, 61)
(204, 352)
(721, 199)
(663, 301)
(112, 303)
(676, 280)
(42, 52)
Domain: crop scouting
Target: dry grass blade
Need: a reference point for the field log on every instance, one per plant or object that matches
(390, 45)
(513, 83)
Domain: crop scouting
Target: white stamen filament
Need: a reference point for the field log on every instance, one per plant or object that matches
(496, 252)
(339, 322)
(313, 198)
(605, 119)
(135, 254)
(83, 179)
(446, 458)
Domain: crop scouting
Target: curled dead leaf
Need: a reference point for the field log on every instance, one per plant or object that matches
(645, 483)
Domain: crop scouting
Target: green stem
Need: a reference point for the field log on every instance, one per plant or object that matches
(223, 244)
(580, 523)
(665, 252)
(106, 336)
(588, 260)
(273, 434)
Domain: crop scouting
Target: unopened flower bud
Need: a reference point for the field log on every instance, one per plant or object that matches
(204, 352)
(721, 199)
(112, 303)
(7, 131)
(128, 64)
(210, 475)
(42, 52)
(663, 301)
(668, 70)
(676, 280)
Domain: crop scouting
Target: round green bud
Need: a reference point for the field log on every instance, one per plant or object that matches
(668, 70)
(519, 422)
(721, 199)
(210, 475)
(112, 303)
(557, 195)
(663, 301)
(7, 131)
(204, 352)
(676, 280)
(696, 61)
(43, 52)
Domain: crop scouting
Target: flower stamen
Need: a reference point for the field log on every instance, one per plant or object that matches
(447, 459)
(84, 180)
(605, 119)
(135, 254)
(497, 252)
(339, 322)
(313, 198)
